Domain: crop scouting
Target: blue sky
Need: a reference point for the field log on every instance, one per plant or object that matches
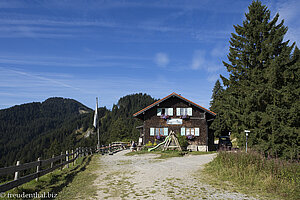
(108, 49)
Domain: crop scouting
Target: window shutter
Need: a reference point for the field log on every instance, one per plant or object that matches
(189, 111)
(178, 111)
(197, 132)
(182, 131)
(166, 131)
(151, 131)
(158, 111)
(170, 111)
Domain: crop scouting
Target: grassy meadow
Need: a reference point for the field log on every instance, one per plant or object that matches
(253, 173)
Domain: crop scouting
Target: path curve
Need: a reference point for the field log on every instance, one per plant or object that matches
(145, 177)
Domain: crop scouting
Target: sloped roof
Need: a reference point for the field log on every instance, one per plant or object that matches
(167, 97)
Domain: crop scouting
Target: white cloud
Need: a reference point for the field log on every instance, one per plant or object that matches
(213, 77)
(161, 59)
(219, 51)
(289, 11)
(198, 60)
(209, 62)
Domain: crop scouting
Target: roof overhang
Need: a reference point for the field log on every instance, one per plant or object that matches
(169, 96)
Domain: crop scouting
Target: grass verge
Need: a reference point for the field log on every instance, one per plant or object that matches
(70, 183)
(251, 174)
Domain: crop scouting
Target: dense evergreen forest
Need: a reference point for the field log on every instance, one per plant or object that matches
(262, 91)
(35, 130)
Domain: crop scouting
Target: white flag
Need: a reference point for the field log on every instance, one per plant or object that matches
(96, 114)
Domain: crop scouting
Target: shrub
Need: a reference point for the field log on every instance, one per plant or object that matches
(182, 141)
(149, 144)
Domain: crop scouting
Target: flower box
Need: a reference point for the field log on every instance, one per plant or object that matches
(190, 137)
(165, 116)
(184, 116)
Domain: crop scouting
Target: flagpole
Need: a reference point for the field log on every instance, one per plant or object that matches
(98, 144)
(96, 124)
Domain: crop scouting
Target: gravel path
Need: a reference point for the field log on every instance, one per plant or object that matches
(144, 177)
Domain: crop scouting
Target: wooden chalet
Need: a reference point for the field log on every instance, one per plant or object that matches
(178, 114)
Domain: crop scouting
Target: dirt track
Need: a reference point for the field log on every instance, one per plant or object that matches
(144, 177)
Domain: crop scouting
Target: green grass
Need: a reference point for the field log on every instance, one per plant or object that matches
(251, 174)
(69, 183)
(168, 153)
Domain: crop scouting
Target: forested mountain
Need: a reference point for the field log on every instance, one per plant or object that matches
(119, 124)
(35, 130)
(263, 89)
(27, 131)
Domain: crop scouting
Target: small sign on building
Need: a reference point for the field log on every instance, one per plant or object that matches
(174, 121)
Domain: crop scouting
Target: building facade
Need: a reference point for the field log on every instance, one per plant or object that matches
(178, 114)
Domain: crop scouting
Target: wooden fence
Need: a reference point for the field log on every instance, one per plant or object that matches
(53, 163)
(61, 160)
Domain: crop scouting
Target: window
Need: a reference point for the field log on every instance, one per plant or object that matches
(164, 111)
(190, 131)
(202, 115)
(184, 111)
(158, 131)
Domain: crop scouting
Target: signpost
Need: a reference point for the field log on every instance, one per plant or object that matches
(247, 133)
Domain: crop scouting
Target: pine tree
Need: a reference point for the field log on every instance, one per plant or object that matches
(219, 124)
(258, 62)
(217, 91)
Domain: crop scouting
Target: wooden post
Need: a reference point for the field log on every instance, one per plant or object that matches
(52, 162)
(73, 156)
(17, 173)
(61, 160)
(38, 169)
(67, 159)
(77, 153)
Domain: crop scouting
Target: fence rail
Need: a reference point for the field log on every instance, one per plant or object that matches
(79, 152)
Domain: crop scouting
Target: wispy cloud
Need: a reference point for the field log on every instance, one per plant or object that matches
(211, 64)
(90, 61)
(161, 59)
(289, 11)
(198, 60)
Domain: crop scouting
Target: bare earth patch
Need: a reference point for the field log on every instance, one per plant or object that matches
(144, 177)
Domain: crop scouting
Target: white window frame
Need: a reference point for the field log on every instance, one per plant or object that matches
(152, 131)
(166, 111)
(184, 111)
(195, 131)
(161, 131)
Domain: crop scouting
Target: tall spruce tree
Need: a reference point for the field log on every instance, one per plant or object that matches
(217, 92)
(260, 62)
(219, 124)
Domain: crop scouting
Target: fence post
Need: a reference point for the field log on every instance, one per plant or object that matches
(67, 159)
(77, 153)
(52, 162)
(73, 157)
(61, 160)
(17, 173)
(38, 169)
